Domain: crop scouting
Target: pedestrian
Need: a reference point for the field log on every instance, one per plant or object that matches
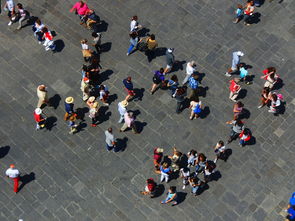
(265, 97)
(158, 155)
(190, 69)
(42, 95)
(110, 140)
(248, 12)
(93, 113)
(72, 125)
(291, 201)
(275, 103)
(90, 102)
(122, 108)
(13, 174)
(219, 150)
(22, 15)
(175, 160)
(129, 88)
(169, 60)
(152, 44)
(180, 95)
(209, 170)
(165, 171)
(234, 88)
(245, 136)
(172, 84)
(9, 6)
(291, 213)
(239, 13)
(235, 63)
(40, 120)
(237, 128)
(129, 122)
(94, 68)
(149, 188)
(134, 25)
(37, 29)
(201, 163)
(104, 94)
(185, 175)
(192, 157)
(48, 39)
(270, 79)
(69, 105)
(196, 184)
(85, 88)
(158, 79)
(133, 42)
(171, 196)
(97, 41)
(92, 20)
(86, 52)
(196, 108)
(238, 110)
(193, 83)
(80, 9)
(244, 75)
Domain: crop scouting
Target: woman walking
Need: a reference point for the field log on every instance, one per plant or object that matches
(93, 112)
(238, 109)
(86, 52)
(37, 29)
(158, 79)
(172, 84)
(196, 108)
(133, 42)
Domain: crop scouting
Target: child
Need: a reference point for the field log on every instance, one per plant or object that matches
(184, 174)
(239, 14)
(73, 127)
(244, 137)
(192, 158)
(243, 75)
(96, 41)
(103, 94)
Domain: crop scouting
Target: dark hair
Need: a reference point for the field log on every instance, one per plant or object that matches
(161, 70)
(274, 97)
(101, 87)
(94, 34)
(44, 29)
(240, 104)
(221, 143)
(82, 3)
(173, 189)
(246, 132)
(152, 37)
(265, 90)
(150, 180)
(195, 98)
(193, 152)
(38, 21)
(19, 5)
(134, 17)
(201, 155)
(271, 69)
(272, 75)
(110, 129)
(85, 68)
(133, 34)
(174, 78)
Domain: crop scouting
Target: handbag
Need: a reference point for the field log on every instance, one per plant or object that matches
(86, 53)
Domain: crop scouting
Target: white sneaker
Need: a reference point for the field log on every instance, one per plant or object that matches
(10, 23)
(47, 49)
(40, 42)
(127, 54)
(183, 187)
(260, 106)
(227, 74)
(215, 161)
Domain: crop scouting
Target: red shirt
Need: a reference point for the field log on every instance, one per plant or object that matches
(38, 117)
(151, 186)
(157, 155)
(234, 86)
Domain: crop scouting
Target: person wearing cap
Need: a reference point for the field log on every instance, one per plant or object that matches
(169, 60)
(234, 88)
(42, 95)
(235, 63)
(69, 105)
(110, 139)
(129, 88)
(13, 174)
(129, 122)
(190, 69)
(40, 120)
(93, 113)
(90, 102)
(122, 110)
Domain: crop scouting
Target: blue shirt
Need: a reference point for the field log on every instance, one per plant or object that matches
(127, 84)
(159, 75)
(167, 170)
(243, 72)
(193, 83)
(239, 12)
(291, 213)
(69, 108)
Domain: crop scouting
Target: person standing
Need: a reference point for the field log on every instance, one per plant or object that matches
(110, 139)
(129, 88)
(234, 88)
(193, 83)
(134, 25)
(72, 125)
(158, 155)
(42, 95)
(179, 95)
(22, 13)
(265, 97)
(69, 105)
(235, 63)
(159, 77)
(81, 9)
(219, 150)
(97, 41)
(37, 29)
(86, 52)
(152, 44)
(184, 174)
(196, 184)
(9, 6)
(133, 42)
(122, 110)
(104, 94)
(150, 187)
(13, 174)
(236, 130)
(85, 88)
(190, 69)
(165, 171)
(93, 113)
(47, 38)
(172, 84)
(169, 60)
(40, 120)
(238, 110)
(248, 12)
(129, 122)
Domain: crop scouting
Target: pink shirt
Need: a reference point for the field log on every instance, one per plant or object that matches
(128, 120)
(81, 10)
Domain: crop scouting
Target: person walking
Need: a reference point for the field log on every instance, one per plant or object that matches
(22, 14)
(133, 42)
(48, 39)
(171, 196)
(158, 79)
(238, 110)
(129, 88)
(80, 9)
(169, 60)
(235, 63)
(165, 171)
(275, 103)
(219, 150)
(270, 79)
(42, 95)
(72, 125)
(69, 105)
(9, 6)
(122, 110)
(86, 52)
(152, 44)
(37, 29)
(193, 83)
(110, 139)
(196, 184)
(13, 174)
(85, 88)
(134, 25)
(93, 113)
(192, 157)
(179, 95)
(190, 69)
(265, 97)
(172, 84)
(97, 41)
(158, 155)
(245, 136)
(201, 163)
(234, 88)
(129, 122)
(40, 120)
(90, 102)
(236, 130)
(104, 94)
(185, 175)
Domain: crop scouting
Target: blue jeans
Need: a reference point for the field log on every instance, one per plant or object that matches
(242, 142)
(130, 48)
(195, 189)
(109, 147)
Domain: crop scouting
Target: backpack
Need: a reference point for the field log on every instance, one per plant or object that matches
(142, 46)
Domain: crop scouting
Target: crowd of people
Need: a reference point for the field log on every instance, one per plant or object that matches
(188, 167)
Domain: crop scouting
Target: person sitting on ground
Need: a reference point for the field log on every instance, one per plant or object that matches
(171, 196)
(150, 187)
(192, 158)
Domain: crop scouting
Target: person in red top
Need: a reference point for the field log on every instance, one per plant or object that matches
(244, 137)
(248, 12)
(234, 89)
(150, 187)
(80, 8)
(158, 154)
(40, 120)
(48, 39)
(270, 77)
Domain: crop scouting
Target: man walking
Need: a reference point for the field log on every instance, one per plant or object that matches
(193, 84)
(42, 95)
(190, 69)
(110, 139)
(122, 110)
(13, 174)
(169, 60)
(129, 88)
(129, 122)
(235, 63)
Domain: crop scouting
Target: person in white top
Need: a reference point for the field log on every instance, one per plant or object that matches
(134, 26)
(13, 174)
(190, 69)
(219, 150)
(9, 6)
(22, 13)
(122, 110)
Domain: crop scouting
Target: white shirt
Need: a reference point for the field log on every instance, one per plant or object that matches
(109, 138)
(10, 5)
(12, 173)
(85, 46)
(189, 69)
(133, 25)
(122, 110)
(221, 149)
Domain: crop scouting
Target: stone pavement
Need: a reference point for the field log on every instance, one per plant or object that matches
(76, 179)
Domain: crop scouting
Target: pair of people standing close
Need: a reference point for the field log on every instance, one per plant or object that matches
(20, 15)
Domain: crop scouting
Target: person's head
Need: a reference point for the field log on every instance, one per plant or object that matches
(153, 37)
(193, 64)
(239, 53)
(130, 114)
(195, 76)
(101, 87)
(195, 99)
(38, 21)
(265, 90)
(150, 181)
(84, 41)
(161, 70)
(133, 34)
(220, 143)
(85, 68)
(129, 79)
(110, 130)
(174, 78)
(240, 6)
(274, 97)
(94, 34)
(134, 18)
(240, 104)
(19, 6)
(193, 152)
(202, 157)
(91, 99)
(82, 3)
(172, 189)
(44, 29)
(165, 165)
(271, 69)
(12, 166)
(159, 150)
(185, 169)
(72, 117)
(42, 88)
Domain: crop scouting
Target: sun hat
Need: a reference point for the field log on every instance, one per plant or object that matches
(95, 105)
(124, 103)
(91, 99)
(38, 110)
(69, 100)
(240, 53)
(160, 150)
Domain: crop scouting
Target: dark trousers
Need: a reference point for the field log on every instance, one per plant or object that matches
(233, 135)
(179, 106)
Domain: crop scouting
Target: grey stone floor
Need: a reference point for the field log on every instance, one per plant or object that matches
(76, 179)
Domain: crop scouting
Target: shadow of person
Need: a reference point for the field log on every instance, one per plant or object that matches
(81, 112)
(178, 65)
(30, 21)
(161, 51)
(80, 127)
(101, 27)
(4, 151)
(159, 190)
(215, 176)
(140, 126)
(136, 113)
(202, 189)
(138, 94)
(143, 32)
(50, 122)
(226, 154)
(245, 114)
(202, 91)
(54, 101)
(59, 45)
(252, 141)
(25, 179)
(200, 77)
(205, 112)
(112, 98)
(181, 197)
(242, 94)
(103, 114)
(279, 84)
(255, 19)
(121, 144)
(105, 47)
(103, 76)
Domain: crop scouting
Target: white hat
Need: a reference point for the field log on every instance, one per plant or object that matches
(170, 50)
(124, 103)
(38, 110)
(239, 53)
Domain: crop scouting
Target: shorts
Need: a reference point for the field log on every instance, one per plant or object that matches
(156, 80)
(130, 92)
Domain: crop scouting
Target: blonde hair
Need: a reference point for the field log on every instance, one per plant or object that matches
(84, 41)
